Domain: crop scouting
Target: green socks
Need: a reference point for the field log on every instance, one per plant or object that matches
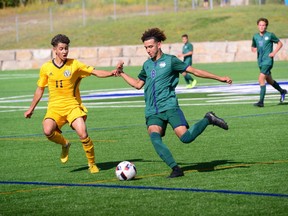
(263, 90)
(277, 87)
(190, 135)
(194, 131)
(162, 149)
(262, 93)
(188, 78)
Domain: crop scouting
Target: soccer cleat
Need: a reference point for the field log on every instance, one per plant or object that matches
(283, 94)
(259, 104)
(176, 172)
(214, 120)
(64, 153)
(93, 168)
(192, 84)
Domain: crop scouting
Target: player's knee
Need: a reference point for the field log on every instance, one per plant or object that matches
(49, 127)
(187, 137)
(48, 132)
(83, 135)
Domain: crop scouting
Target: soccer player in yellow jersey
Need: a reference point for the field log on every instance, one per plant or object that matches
(62, 76)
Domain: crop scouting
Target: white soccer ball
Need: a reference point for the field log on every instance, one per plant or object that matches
(125, 170)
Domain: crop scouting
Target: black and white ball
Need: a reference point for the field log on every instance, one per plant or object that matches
(125, 170)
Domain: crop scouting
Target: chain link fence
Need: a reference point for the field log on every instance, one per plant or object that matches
(53, 15)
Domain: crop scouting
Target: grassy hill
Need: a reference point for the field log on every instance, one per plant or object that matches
(220, 24)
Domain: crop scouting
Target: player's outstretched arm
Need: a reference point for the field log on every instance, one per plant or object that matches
(208, 75)
(37, 97)
(135, 83)
(103, 73)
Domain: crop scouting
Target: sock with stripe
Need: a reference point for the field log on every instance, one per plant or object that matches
(88, 147)
(58, 138)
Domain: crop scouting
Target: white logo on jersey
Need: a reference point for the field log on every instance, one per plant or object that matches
(162, 64)
(266, 38)
(67, 73)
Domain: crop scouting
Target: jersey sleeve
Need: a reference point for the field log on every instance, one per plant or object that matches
(178, 65)
(274, 39)
(142, 75)
(253, 42)
(84, 69)
(43, 77)
(190, 47)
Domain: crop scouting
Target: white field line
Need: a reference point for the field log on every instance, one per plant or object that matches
(216, 95)
(17, 76)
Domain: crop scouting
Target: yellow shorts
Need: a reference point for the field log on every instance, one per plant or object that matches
(61, 118)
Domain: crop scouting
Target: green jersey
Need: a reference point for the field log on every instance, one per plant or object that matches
(161, 78)
(188, 47)
(264, 45)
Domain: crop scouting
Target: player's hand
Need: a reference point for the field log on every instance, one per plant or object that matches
(119, 68)
(28, 114)
(272, 55)
(227, 80)
(114, 72)
(120, 65)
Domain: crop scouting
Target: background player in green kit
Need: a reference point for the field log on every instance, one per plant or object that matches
(187, 52)
(160, 75)
(262, 42)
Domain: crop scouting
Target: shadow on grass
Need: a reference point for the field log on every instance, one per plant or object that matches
(106, 165)
(214, 166)
(283, 103)
(200, 167)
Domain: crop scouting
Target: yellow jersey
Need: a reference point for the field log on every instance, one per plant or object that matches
(63, 83)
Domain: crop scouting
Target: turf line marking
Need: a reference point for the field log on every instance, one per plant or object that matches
(151, 175)
(260, 114)
(30, 190)
(215, 95)
(232, 192)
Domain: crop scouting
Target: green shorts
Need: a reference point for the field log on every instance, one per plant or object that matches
(266, 69)
(174, 117)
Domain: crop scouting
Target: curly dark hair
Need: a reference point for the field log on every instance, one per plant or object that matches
(60, 38)
(185, 35)
(153, 33)
(264, 20)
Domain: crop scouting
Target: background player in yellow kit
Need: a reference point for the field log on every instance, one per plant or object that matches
(62, 76)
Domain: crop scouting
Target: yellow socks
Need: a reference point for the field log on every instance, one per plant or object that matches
(58, 138)
(87, 144)
(89, 149)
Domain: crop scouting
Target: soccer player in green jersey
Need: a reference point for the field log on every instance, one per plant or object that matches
(160, 76)
(262, 43)
(187, 52)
